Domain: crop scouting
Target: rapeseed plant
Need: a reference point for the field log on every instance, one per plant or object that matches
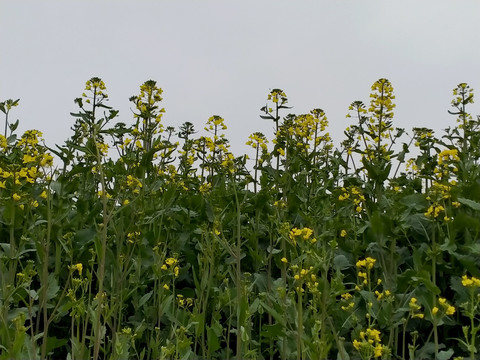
(170, 252)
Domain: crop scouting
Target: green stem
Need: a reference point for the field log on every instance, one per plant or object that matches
(238, 276)
(45, 280)
(300, 324)
(434, 271)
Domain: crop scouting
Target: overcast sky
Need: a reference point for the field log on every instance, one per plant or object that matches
(223, 57)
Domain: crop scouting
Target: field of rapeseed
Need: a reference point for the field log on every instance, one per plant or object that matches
(142, 241)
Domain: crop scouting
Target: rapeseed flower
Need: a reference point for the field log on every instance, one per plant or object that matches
(470, 282)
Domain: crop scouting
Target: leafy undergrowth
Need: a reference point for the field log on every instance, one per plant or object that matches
(148, 242)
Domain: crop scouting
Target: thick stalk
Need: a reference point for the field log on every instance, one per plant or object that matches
(434, 270)
(238, 277)
(299, 324)
(45, 280)
(103, 246)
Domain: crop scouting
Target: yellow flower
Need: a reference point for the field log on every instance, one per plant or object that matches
(205, 187)
(378, 350)
(356, 344)
(22, 173)
(306, 232)
(450, 310)
(435, 310)
(343, 233)
(43, 195)
(171, 261)
(6, 174)
(79, 267)
(16, 197)
(413, 304)
(472, 282)
(166, 287)
(47, 160)
(284, 260)
(28, 159)
(362, 274)
(367, 263)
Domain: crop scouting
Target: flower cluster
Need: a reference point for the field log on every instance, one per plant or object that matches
(347, 299)
(184, 302)
(369, 344)
(381, 104)
(133, 237)
(434, 211)
(354, 195)
(415, 309)
(258, 141)
(365, 266)
(366, 263)
(305, 234)
(463, 95)
(302, 276)
(76, 267)
(134, 184)
(471, 282)
(97, 88)
(171, 264)
(216, 123)
(447, 164)
(445, 308)
(424, 138)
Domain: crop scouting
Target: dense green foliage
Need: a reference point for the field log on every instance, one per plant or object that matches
(136, 246)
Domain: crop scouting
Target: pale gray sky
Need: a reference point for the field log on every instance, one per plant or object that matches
(223, 57)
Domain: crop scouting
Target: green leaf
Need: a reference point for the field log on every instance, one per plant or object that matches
(212, 340)
(445, 355)
(144, 299)
(214, 333)
(272, 331)
(470, 203)
(341, 262)
(277, 316)
(82, 237)
(53, 343)
(53, 288)
(416, 278)
(414, 201)
(13, 126)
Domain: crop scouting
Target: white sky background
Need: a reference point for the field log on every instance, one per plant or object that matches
(223, 57)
